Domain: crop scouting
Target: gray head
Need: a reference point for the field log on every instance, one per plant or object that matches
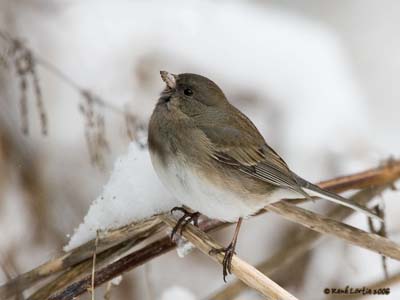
(191, 93)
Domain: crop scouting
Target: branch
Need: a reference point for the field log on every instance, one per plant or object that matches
(343, 231)
(245, 272)
(26, 62)
(147, 253)
(150, 251)
(387, 173)
(383, 175)
(136, 231)
(115, 269)
(12, 41)
(80, 270)
(298, 247)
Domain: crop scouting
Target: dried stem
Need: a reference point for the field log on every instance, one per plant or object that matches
(58, 73)
(95, 131)
(39, 99)
(25, 66)
(94, 262)
(388, 172)
(109, 272)
(343, 231)
(244, 271)
(115, 269)
(383, 175)
(79, 271)
(298, 247)
(136, 231)
(150, 252)
(381, 230)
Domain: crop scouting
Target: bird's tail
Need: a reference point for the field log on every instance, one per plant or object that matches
(313, 190)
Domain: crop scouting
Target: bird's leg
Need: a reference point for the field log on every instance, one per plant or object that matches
(184, 220)
(229, 251)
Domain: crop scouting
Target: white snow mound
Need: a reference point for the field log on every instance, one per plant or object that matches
(133, 192)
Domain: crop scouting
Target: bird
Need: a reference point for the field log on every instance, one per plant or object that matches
(213, 159)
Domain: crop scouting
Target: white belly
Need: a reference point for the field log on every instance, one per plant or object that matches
(203, 196)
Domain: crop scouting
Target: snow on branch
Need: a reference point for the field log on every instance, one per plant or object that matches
(77, 262)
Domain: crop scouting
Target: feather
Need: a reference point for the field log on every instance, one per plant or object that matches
(238, 143)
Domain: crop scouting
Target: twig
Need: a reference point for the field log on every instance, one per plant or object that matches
(80, 270)
(136, 231)
(112, 270)
(124, 264)
(94, 262)
(386, 174)
(298, 247)
(380, 211)
(107, 294)
(117, 268)
(62, 76)
(147, 253)
(244, 271)
(25, 61)
(343, 231)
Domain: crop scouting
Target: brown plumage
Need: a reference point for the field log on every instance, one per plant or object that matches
(213, 158)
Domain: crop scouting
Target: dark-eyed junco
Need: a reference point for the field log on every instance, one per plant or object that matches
(213, 159)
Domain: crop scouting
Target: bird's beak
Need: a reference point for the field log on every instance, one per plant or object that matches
(169, 79)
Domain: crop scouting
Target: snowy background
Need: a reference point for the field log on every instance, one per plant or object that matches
(319, 79)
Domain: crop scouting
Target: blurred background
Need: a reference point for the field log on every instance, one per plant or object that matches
(318, 78)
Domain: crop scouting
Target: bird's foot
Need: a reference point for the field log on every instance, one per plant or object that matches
(187, 218)
(227, 261)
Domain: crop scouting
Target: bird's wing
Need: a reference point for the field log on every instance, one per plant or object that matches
(248, 152)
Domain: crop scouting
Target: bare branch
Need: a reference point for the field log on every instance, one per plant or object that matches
(117, 268)
(60, 74)
(298, 247)
(244, 271)
(163, 246)
(383, 175)
(343, 231)
(135, 231)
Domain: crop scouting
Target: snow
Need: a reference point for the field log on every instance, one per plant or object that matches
(311, 85)
(177, 293)
(117, 280)
(132, 193)
(183, 247)
(291, 75)
(297, 71)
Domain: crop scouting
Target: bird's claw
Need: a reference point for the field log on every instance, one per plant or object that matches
(227, 260)
(187, 218)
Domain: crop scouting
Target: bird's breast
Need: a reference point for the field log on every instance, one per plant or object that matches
(182, 158)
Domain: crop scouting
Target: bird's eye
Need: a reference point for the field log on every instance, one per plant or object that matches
(188, 92)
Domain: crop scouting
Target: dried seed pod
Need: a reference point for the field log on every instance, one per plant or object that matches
(25, 67)
(95, 130)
